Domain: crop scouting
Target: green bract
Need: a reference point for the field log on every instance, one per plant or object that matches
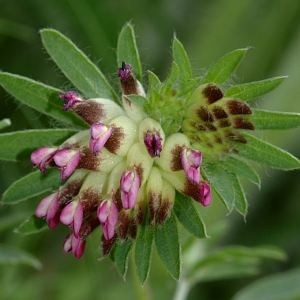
(215, 121)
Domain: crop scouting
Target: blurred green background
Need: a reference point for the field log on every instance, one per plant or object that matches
(208, 30)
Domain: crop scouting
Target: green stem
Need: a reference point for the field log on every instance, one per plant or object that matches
(182, 290)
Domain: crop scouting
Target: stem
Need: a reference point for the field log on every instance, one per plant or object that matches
(182, 290)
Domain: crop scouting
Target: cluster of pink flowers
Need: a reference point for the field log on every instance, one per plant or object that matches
(118, 170)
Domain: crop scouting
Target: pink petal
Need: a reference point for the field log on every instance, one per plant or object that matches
(130, 184)
(103, 211)
(99, 136)
(97, 130)
(67, 214)
(68, 243)
(78, 219)
(191, 161)
(78, 252)
(52, 223)
(71, 166)
(205, 192)
(153, 144)
(42, 208)
(62, 157)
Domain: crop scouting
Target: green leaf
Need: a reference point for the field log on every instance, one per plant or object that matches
(4, 123)
(19, 145)
(221, 183)
(239, 167)
(121, 254)
(188, 216)
(168, 246)
(224, 67)
(13, 256)
(274, 120)
(252, 90)
(182, 60)
(31, 185)
(76, 66)
(267, 154)
(32, 225)
(143, 249)
(40, 97)
(283, 286)
(127, 50)
(240, 201)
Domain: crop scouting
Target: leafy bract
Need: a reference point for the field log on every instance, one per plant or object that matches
(39, 96)
(188, 216)
(224, 67)
(13, 256)
(252, 90)
(18, 145)
(274, 120)
(76, 66)
(31, 185)
(127, 51)
(31, 225)
(267, 154)
(168, 246)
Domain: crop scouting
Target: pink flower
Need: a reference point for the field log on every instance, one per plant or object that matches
(70, 99)
(153, 143)
(72, 215)
(48, 208)
(67, 160)
(125, 71)
(205, 194)
(76, 245)
(108, 215)
(42, 157)
(130, 184)
(191, 161)
(99, 136)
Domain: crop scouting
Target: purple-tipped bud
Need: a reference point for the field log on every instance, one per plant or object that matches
(191, 161)
(99, 136)
(42, 157)
(76, 245)
(124, 71)
(72, 215)
(205, 194)
(48, 208)
(70, 99)
(153, 143)
(130, 184)
(67, 160)
(108, 215)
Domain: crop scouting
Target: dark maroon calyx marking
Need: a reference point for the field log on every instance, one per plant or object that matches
(88, 225)
(219, 113)
(128, 81)
(132, 231)
(90, 111)
(69, 191)
(114, 142)
(242, 123)
(198, 126)
(88, 160)
(175, 163)
(212, 92)
(235, 137)
(90, 200)
(237, 107)
(204, 114)
(123, 224)
(106, 245)
(211, 127)
(223, 123)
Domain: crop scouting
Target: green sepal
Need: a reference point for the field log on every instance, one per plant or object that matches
(19, 145)
(220, 182)
(274, 120)
(76, 66)
(154, 89)
(32, 225)
(13, 256)
(224, 67)
(188, 216)
(143, 250)
(40, 97)
(31, 185)
(252, 90)
(127, 50)
(266, 154)
(241, 168)
(120, 254)
(182, 61)
(168, 246)
(167, 85)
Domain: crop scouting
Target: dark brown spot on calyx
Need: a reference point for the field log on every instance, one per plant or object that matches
(218, 140)
(219, 113)
(192, 190)
(114, 143)
(224, 123)
(129, 86)
(210, 127)
(164, 211)
(235, 137)
(175, 163)
(90, 111)
(88, 160)
(154, 206)
(212, 92)
(88, 225)
(133, 229)
(237, 107)
(141, 211)
(198, 126)
(69, 191)
(140, 171)
(116, 196)
(90, 200)
(204, 114)
(106, 245)
(242, 123)
(123, 224)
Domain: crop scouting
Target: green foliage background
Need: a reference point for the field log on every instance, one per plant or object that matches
(208, 30)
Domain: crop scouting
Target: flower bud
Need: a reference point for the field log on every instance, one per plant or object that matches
(43, 156)
(130, 184)
(206, 94)
(99, 136)
(71, 100)
(191, 161)
(206, 196)
(108, 215)
(76, 245)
